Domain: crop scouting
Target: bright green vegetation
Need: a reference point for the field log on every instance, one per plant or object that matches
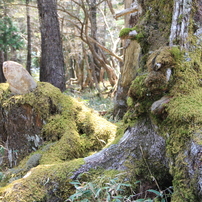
(184, 118)
(125, 32)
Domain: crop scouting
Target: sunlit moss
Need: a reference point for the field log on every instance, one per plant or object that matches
(41, 180)
(70, 130)
(184, 120)
(186, 108)
(124, 32)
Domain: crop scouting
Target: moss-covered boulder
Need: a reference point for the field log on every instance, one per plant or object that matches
(43, 130)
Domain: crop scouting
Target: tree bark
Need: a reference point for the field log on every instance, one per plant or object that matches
(132, 52)
(52, 61)
(2, 77)
(132, 55)
(93, 22)
(180, 22)
(29, 47)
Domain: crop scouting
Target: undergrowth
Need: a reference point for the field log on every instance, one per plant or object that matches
(114, 191)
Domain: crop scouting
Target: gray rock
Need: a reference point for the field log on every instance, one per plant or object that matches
(20, 81)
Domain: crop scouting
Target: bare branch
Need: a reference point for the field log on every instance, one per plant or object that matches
(105, 49)
(110, 7)
(125, 12)
(18, 4)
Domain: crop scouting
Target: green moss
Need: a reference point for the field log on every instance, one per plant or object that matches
(138, 90)
(160, 11)
(186, 108)
(184, 120)
(40, 181)
(67, 148)
(197, 136)
(183, 123)
(95, 131)
(142, 97)
(186, 77)
(184, 189)
(69, 131)
(77, 130)
(130, 101)
(4, 91)
(124, 32)
(139, 37)
(177, 54)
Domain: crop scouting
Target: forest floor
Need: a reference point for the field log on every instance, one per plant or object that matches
(100, 102)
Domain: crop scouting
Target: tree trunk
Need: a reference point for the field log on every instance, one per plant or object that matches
(128, 73)
(52, 61)
(180, 23)
(132, 52)
(29, 47)
(93, 20)
(2, 77)
(159, 91)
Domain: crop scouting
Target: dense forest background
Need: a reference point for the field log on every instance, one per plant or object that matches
(92, 52)
(89, 32)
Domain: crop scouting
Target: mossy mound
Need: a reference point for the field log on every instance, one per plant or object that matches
(42, 183)
(55, 129)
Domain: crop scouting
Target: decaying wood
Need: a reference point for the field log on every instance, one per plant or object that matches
(125, 12)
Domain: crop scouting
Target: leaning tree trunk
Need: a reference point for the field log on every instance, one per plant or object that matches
(52, 61)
